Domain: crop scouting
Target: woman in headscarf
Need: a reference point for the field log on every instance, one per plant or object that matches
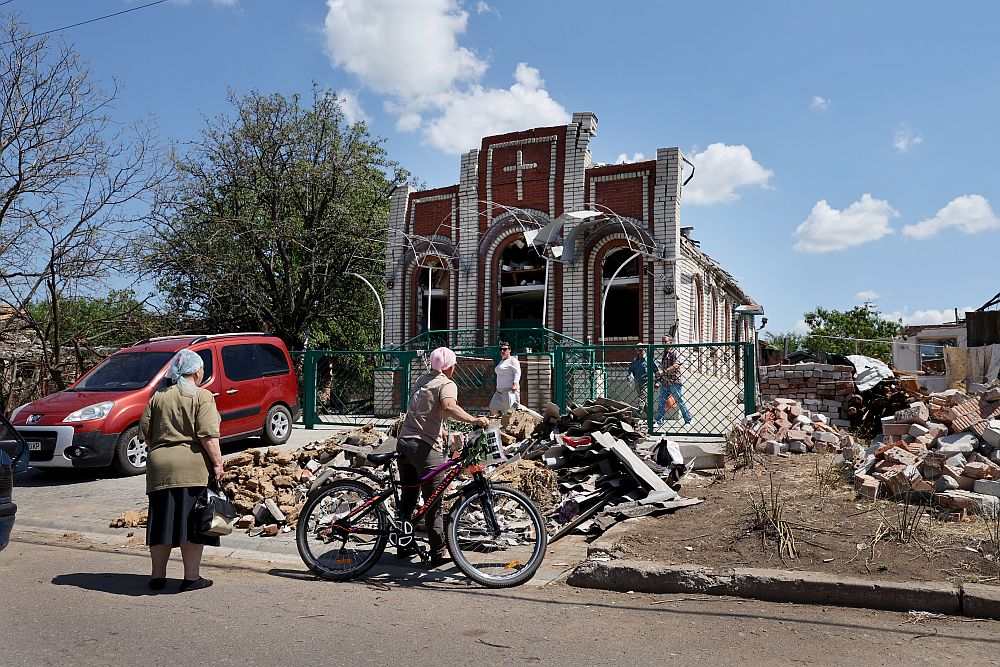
(421, 442)
(181, 428)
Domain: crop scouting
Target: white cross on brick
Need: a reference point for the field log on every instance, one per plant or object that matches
(519, 169)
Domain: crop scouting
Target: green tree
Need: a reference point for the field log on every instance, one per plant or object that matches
(860, 330)
(789, 341)
(272, 207)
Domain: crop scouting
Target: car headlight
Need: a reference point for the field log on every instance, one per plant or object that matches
(96, 411)
(16, 411)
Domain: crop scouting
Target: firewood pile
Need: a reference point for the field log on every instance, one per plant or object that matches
(866, 409)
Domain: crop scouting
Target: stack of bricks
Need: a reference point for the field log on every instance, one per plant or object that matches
(819, 388)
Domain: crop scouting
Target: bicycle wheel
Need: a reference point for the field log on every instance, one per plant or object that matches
(497, 554)
(340, 553)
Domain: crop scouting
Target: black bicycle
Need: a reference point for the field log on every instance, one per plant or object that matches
(495, 534)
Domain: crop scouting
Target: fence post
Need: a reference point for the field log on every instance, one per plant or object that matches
(406, 360)
(309, 417)
(650, 411)
(559, 381)
(749, 380)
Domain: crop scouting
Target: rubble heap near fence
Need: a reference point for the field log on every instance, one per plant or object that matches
(947, 447)
(818, 388)
(603, 476)
(783, 425)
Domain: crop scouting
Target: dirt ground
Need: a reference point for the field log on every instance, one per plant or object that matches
(833, 530)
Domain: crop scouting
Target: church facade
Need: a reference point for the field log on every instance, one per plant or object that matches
(534, 234)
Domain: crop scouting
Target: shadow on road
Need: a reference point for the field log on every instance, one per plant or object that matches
(39, 477)
(134, 585)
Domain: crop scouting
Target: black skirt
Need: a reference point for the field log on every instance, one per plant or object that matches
(169, 519)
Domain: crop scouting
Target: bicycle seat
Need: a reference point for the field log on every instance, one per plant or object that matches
(383, 457)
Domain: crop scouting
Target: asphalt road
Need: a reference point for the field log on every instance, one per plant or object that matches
(73, 606)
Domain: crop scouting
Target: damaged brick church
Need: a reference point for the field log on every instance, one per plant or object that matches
(462, 256)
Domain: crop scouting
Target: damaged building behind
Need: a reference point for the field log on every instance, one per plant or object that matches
(458, 257)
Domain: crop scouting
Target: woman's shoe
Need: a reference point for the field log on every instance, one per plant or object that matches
(195, 584)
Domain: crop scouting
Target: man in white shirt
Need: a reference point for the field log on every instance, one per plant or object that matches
(508, 389)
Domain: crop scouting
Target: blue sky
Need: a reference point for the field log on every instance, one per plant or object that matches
(845, 150)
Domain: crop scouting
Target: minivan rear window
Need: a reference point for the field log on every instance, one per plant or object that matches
(125, 371)
(272, 360)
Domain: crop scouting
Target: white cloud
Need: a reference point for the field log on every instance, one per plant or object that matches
(970, 214)
(905, 138)
(623, 158)
(468, 117)
(827, 229)
(800, 327)
(928, 316)
(409, 51)
(351, 106)
(407, 48)
(485, 8)
(819, 103)
(868, 295)
(720, 170)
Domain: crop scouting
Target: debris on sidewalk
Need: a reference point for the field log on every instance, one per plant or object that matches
(131, 519)
(269, 487)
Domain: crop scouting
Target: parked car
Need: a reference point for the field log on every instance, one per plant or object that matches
(13, 458)
(95, 422)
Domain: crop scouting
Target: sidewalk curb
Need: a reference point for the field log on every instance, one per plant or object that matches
(818, 588)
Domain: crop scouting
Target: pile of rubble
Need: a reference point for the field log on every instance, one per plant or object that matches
(131, 519)
(269, 487)
(602, 474)
(784, 426)
(947, 448)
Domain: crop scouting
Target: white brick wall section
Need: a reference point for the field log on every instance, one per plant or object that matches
(468, 204)
(394, 251)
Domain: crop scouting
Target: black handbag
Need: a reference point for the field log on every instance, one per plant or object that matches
(213, 514)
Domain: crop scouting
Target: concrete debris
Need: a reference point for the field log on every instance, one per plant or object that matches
(603, 465)
(783, 425)
(269, 487)
(131, 519)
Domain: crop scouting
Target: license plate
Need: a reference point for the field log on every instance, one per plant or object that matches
(34, 446)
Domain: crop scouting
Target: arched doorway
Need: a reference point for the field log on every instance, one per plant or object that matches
(623, 305)
(522, 287)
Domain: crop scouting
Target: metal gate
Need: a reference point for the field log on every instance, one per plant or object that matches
(710, 387)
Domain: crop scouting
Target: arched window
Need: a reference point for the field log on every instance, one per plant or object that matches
(696, 300)
(715, 314)
(522, 286)
(623, 305)
(433, 290)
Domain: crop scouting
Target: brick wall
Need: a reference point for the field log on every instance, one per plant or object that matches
(822, 388)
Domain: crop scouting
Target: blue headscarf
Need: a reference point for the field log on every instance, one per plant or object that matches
(185, 363)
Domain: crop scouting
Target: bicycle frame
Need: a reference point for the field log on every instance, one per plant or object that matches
(392, 490)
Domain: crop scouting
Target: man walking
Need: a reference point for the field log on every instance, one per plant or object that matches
(638, 371)
(670, 383)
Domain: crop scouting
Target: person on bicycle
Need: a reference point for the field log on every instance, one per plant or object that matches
(421, 442)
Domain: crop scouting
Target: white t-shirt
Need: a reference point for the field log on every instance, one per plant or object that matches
(508, 374)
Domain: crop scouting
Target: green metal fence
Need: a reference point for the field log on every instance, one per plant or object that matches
(537, 340)
(716, 383)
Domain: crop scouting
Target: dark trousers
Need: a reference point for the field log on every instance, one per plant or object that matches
(418, 459)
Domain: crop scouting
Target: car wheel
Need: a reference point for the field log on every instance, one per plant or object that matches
(277, 425)
(131, 453)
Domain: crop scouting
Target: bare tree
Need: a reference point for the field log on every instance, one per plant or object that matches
(75, 185)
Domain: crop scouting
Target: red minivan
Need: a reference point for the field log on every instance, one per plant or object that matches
(95, 422)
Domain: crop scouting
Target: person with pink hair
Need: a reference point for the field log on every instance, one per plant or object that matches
(434, 400)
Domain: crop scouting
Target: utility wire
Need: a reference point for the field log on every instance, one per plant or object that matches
(93, 20)
(6, 2)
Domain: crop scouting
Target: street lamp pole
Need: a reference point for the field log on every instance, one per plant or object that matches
(381, 309)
